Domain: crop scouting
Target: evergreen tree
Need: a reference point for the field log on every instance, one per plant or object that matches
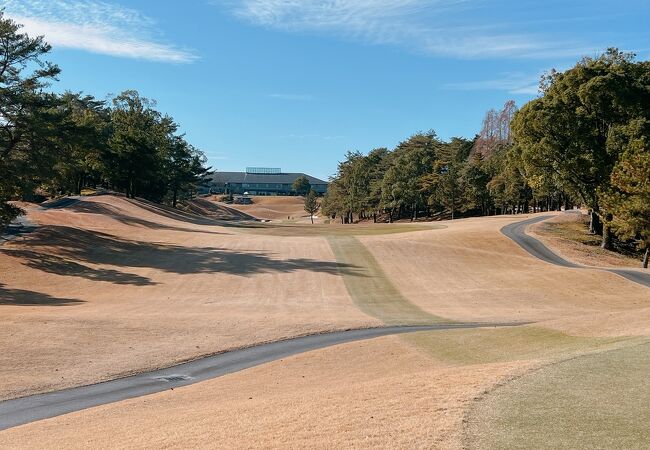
(628, 199)
(311, 204)
(82, 138)
(184, 169)
(444, 184)
(141, 136)
(301, 186)
(565, 132)
(23, 108)
(476, 177)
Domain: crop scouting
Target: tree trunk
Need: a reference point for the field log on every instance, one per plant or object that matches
(646, 256)
(595, 227)
(312, 219)
(607, 236)
(79, 185)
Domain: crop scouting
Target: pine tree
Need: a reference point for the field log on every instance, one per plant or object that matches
(311, 204)
(23, 110)
(628, 200)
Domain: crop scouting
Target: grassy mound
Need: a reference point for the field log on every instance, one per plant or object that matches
(594, 401)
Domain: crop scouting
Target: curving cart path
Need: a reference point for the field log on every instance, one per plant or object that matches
(517, 232)
(29, 409)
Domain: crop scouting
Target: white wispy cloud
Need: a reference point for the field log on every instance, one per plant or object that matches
(433, 27)
(513, 83)
(217, 156)
(95, 26)
(292, 97)
(312, 136)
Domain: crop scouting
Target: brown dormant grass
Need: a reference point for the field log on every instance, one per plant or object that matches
(470, 271)
(107, 288)
(156, 288)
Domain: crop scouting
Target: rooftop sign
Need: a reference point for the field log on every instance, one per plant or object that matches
(264, 170)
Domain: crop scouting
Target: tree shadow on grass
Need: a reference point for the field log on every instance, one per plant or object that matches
(19, 297)
(207, 208)
(116, 214)
(62, 266)
(65, 250)
(171, 213)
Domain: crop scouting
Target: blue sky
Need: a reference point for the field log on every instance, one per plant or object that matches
(297, 83)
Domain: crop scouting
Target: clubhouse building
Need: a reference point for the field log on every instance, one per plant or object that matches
(261, 181)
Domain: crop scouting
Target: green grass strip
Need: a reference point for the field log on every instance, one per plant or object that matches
(370, 287)
(600, 400)
(494, 345)
(305, 230)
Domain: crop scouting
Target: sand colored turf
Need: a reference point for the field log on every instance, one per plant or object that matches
(382, 393)
(594, 401)
(470, 271)
(110, 286)
(209, 208)
(380, 229)
(398, 392)
(628, 323)
(275, 208)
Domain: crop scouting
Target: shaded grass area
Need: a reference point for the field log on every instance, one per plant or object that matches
(19, 297)
(600, 400)
(332, 230)
(492, 345)
(576, 230)
(573, 230)
(80, 253)
(106, 210)
(371, 289)
(207, 208)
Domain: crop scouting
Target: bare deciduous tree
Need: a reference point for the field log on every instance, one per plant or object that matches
(496, 129)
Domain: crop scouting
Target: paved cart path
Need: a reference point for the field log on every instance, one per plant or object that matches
(517, 232)
(29, 409)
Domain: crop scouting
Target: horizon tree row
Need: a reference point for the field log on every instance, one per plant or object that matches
(53, 144)
(584, 140)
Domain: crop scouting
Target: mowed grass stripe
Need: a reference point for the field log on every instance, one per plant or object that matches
(495, 345)
(370, 288)
(307, 230)
(600, 400)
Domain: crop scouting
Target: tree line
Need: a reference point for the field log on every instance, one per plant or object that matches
(585, 140)
(57, 144)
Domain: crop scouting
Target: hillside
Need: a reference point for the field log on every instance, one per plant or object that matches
(275, 208)
(125, 286)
